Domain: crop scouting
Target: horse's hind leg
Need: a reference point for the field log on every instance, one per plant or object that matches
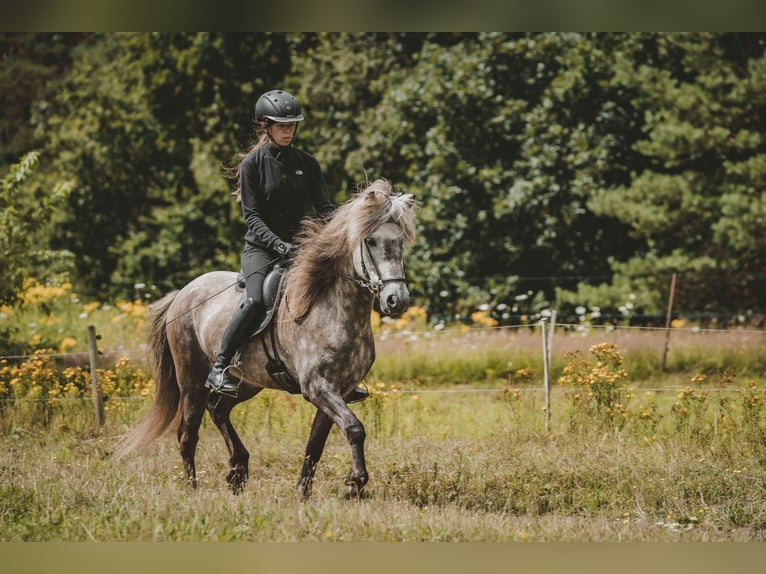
(192, 411)
(220, 407)
(320, 429)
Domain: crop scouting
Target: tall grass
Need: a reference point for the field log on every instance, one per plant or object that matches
(494, 356)
(444, 466)
(457, 443)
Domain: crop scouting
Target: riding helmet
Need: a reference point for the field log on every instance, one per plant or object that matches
(278, 106)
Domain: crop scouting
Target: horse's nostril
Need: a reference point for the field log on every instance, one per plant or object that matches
(391, 300)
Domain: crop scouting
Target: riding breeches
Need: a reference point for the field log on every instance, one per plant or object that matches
(256, 263)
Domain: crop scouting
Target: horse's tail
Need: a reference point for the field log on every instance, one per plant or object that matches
(165, 408)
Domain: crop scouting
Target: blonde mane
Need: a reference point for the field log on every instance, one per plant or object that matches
(326, 248)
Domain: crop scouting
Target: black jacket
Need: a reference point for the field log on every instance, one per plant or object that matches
(277, 185)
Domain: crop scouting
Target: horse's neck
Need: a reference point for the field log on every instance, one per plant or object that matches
(349, 301)
(344, 301)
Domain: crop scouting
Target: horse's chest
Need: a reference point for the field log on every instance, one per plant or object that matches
(345, 356)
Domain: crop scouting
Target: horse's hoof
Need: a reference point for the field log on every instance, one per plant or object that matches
(236, 480)
(303, 489)
(354, 492)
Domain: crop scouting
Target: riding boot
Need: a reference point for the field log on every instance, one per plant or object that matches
(238, 329)
(358, 394)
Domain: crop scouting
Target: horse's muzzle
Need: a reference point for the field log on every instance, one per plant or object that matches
(394, 299)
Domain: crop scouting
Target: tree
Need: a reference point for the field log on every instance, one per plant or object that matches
(339, 77)
(503, 138)
(553, 169)
(142, 122)
(23, 252)
(695, 197)
(30, 67)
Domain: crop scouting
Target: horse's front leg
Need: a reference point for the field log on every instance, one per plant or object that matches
(328, 399)
(320, 429)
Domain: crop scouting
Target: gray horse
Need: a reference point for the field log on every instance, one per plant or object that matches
(320, 335)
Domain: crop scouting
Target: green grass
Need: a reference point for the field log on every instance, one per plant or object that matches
(458, 447)
(457, 450)
(497, 356)
(465, 466)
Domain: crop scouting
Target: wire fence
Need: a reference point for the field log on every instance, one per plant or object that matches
(445, 331)
(541, 326)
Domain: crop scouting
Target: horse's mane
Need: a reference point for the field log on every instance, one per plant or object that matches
(326, 247)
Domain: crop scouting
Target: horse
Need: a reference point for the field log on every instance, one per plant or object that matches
(320, 331)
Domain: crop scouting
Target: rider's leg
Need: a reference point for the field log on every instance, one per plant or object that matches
(236, 332)
(255, 263)
(357, 394)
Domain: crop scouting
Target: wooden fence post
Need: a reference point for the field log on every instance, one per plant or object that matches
(668, 320)
(546, 378)
(550, 335)
(98, 402)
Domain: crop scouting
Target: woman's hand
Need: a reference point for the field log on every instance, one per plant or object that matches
(285, 249)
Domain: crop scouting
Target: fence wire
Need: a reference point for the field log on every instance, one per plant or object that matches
(447, 331)
(417, 334)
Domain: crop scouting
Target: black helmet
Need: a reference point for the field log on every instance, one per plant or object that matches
(278, 106)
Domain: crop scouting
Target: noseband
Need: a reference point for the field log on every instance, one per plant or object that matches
(373, 285)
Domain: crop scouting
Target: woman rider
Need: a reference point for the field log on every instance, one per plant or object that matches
(276, 181)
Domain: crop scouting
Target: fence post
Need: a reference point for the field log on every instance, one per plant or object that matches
(668, 320)
(546, 379)
(98, 402)
(550, 336)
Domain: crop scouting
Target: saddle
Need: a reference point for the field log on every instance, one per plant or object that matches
(272, 292)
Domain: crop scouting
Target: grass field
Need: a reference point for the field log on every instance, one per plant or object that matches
(457, 450)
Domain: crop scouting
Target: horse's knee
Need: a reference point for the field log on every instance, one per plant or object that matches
(356, 433)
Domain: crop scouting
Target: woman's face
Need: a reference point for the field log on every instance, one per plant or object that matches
(282, 133)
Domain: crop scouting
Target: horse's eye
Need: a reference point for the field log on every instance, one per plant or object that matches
(371, 242)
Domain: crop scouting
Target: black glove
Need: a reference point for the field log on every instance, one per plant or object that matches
(285, 249)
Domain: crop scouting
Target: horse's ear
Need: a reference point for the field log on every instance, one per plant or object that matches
(371, 195)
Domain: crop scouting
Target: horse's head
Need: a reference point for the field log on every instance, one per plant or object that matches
(363, 241)
(379, 260)
(379, 263)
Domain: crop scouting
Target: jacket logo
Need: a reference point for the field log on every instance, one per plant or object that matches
(298, 172)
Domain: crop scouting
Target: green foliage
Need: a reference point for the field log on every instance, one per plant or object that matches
(554, 169)
(694, 196)
(22, 218)
(31, 66)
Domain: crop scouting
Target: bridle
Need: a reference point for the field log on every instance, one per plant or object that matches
(367, 282)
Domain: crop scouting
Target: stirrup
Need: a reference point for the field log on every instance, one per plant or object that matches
(231, 388)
